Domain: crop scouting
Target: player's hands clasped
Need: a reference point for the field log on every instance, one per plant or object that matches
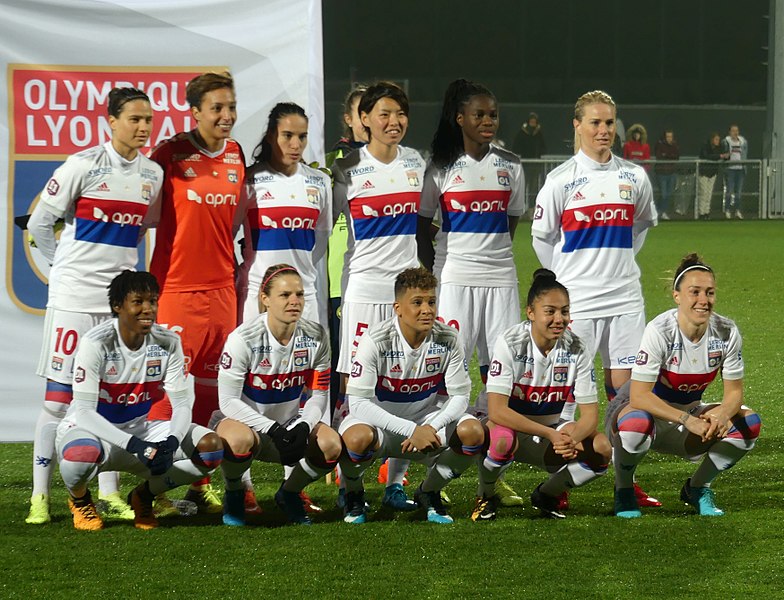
(564, 445)
(718, 424)
(424, 439)
(157, 457)
(291, 443)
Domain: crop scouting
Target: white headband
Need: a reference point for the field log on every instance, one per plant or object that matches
(686, 270)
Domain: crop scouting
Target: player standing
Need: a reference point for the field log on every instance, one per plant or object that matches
(479, 189)
(378, 188)
(202, 207)
(290, 215)
(591, 218)
(394, 404)
(266, 364)
(682, 351)
(121, 368)
(103, 194)
(538, 366)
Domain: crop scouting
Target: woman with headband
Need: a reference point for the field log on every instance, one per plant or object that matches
(682, 351)
(266, 364)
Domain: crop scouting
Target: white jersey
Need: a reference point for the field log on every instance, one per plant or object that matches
(682, 369)
(394, 386)
(592, 212)
(539, 386)
(104, 200)
(476, 199)
(289, 221)
(260, 381)
(381, 202)
(114, 387)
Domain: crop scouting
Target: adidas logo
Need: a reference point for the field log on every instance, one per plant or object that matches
(528, 375)
(111, 371)
(578, 196)
(103, 187)
(267, 196)
(368, 185)
(457, 180)
(265, 363)
(189, 172)
(396, 369)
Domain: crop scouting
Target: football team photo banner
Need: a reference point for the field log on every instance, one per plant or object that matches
(61, 60)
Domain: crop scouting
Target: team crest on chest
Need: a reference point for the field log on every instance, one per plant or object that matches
(560, 374)
(147, 192)
(714, 358)
(233, 177)
(413, 178)
(300, 358)
(625, 192)
(503, 178)
(432, 365)
(312, 195)
(153, 368)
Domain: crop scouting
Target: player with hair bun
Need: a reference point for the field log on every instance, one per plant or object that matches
(591, 219)
(121, 368)
(538, 367)
(681, 353)
(104, 195)
(266, 364)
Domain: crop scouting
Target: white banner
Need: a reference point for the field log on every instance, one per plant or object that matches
(60, 60)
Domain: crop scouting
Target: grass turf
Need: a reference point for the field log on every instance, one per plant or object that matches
(669, 553)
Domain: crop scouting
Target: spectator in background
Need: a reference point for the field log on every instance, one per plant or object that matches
(620, 137)
(529, 143)
(636, 147)
(667, 150)
(738, 149)
(711, 150)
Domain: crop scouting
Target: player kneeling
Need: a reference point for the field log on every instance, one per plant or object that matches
(121, 367)
(681, 352)
(266, 364)
(537, 367)
(394, 407)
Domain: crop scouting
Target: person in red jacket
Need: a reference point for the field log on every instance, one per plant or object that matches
(636, 148)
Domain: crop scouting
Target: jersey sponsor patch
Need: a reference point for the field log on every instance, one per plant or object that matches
(385, 216)
(539, 212)
(495, 368)
(52, 187)
(642, 358)
(476, 212)
(225, 360)
(111, 222)
(79, 375)
(598, 226)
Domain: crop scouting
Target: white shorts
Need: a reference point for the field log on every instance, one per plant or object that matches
(616, 339)
(389, 443)
(355, 319)
(119, 459)
(62, 331)
(480, 314)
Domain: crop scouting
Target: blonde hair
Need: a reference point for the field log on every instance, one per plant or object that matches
(594, 97)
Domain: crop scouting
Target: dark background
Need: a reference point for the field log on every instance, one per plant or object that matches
(694, 65)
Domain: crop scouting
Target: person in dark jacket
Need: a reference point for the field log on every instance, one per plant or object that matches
(666, 150)
(712, 150)
(529, 143)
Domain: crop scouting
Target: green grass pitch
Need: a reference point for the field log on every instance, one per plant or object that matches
(669, 553)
